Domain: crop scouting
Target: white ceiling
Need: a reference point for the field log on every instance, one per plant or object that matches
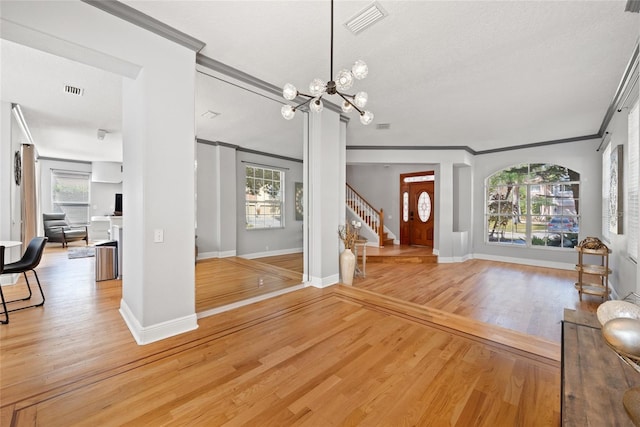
(483, 74)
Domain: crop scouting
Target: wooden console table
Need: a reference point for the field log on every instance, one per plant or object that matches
(594, 378)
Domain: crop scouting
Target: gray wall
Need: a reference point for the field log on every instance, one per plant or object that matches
(380, 186)
(581, 156)
(252, 243)
(625, 276)
(220, 205)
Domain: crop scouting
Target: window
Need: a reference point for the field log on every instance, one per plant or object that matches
(264, 199)
(70, 194)
(533, 205)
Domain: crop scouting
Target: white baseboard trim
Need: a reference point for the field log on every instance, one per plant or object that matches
(454, 259)
(223, 254)
(159, 331)
(527, 261)
(436, 251)
(272, 253)
(253, 300)
(324, 282)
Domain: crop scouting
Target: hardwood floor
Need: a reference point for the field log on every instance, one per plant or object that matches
(518, 297)
(338, 356)
(222, 281)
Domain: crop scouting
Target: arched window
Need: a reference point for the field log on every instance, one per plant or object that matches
(533, 205)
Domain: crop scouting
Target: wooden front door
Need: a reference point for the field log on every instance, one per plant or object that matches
(417, 209)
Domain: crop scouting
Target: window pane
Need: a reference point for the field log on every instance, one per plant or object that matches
(264, 198)
(533, 204)
(70, 194)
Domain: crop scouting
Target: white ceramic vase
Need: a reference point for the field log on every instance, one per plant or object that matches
(347, 266)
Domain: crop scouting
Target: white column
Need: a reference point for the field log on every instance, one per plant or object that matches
(326, 189)
(158, 289)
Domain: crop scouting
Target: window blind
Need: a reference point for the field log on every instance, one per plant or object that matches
(633, 182)
(70, 194)
(606, 165)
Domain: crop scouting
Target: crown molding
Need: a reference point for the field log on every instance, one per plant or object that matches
(142, 20)
(471, 150)
(246, 150)
(622, 86)
(247, 78)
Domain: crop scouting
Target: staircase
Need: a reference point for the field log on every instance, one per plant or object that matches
(369, 216)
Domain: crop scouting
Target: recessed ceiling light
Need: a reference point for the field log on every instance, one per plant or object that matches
(366, 18)
(210, 114)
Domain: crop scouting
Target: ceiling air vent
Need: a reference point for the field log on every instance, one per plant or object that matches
(383, 126)
(365, 18)
(73, 90)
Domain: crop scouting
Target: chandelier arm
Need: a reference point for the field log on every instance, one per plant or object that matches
(302, 104)
(343, 96)
(307, 95)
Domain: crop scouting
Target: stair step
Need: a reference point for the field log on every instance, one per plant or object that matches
(402, 259)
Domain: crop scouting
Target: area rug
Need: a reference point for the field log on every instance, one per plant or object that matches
(84, 252)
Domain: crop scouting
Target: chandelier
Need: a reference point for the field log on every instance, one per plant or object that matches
(343, 82)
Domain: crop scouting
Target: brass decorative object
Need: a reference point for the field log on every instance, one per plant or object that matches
(592, 243)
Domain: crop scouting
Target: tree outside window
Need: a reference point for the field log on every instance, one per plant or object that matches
(533, 205)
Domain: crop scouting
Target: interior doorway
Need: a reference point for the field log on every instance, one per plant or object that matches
(417, 208)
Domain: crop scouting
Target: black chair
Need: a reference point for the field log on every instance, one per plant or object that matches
(29, 261)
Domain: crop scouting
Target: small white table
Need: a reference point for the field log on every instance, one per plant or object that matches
(9, 243)
(9, 279)
(363, 244)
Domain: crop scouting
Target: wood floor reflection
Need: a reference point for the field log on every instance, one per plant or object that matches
(223, 281)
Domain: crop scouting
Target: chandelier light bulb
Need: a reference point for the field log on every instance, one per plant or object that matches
(287, 111)
(316, 105)
(366, 117)
(360, 69)
(316, 87)
(347, 107)
(361, 99)
(289, 92)
(344, 80)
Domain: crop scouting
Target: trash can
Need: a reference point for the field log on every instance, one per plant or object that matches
(106, 261)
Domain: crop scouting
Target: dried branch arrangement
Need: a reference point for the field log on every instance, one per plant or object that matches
(348, 234)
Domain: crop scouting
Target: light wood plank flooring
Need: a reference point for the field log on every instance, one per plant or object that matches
(339, 356)
(222, 281)
(523, 298)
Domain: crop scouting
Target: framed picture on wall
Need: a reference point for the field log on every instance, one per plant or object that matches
(615, 190)
(299, 191)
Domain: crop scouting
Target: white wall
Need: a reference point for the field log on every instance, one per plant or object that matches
(10, 200)
(45, 167)
(102, 195)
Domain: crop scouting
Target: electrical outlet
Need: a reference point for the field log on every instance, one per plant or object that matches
(158, 235)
